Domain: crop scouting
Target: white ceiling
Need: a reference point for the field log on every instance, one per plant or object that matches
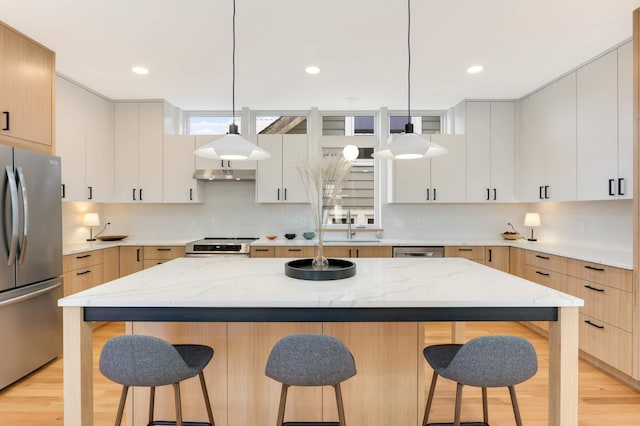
(360, 46)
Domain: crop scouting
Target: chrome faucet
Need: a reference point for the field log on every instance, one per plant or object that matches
(350, 233)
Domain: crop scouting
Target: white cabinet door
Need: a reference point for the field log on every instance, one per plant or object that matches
(625, 121)
(150, 146)
(448, 172)
(531, 147)
(99, 140)
(560, 139)
(269, 172)
(478, 135)
(126, 152)
(294, 152)
(277, 179)
(597, 128)
(210, 164)
(70, 133)
(411, 180)
(503, 154)
(178, 165)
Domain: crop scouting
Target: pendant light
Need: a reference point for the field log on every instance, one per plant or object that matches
(232, 146)
(409, 145)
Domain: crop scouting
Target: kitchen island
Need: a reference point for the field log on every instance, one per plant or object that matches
(241, 306)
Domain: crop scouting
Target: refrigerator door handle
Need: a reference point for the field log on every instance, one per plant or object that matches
(13, 190)
(31, 295)
(25, 214)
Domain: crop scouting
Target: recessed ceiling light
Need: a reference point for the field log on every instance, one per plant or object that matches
(312, 69)
(474, 69)
(140, 70)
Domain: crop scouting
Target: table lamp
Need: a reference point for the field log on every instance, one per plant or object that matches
(532, 220)
(91, 220)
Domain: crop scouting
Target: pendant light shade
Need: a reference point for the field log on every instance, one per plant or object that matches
(409, 145)
(232, 146)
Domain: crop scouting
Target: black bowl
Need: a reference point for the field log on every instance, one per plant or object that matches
(289, 236)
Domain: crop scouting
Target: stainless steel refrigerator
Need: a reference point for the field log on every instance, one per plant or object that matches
(30, 262)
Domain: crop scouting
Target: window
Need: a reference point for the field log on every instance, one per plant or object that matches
(284, 124)
(340, 125)
(426, 125)
(210, 124)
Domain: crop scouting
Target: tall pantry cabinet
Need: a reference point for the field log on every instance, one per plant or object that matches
(26, 98)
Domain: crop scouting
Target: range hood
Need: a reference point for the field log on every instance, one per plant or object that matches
(228, 175)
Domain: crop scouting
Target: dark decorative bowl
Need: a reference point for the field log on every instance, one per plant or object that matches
(289, 236)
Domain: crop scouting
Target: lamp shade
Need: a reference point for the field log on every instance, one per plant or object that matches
(350, 152)
(91, 219)
(410, 146)
(532, 220)
(232, 147)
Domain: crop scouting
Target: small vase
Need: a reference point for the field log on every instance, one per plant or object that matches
(320, 262)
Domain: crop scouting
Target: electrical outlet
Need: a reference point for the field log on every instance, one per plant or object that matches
(190, 223)
(420, 223)
(580, 225)
(398, 223)
(301, 224)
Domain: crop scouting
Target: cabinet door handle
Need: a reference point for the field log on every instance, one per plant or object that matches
(540, 193)
(601, 290)
(6, 120)
(495, 194)
(278, 194)
(434, 194)
(222, 163)
(488, 192)
(611, 187)
(465, 249)
(90, 192)
(542, 273)
(350, 253)
(83, 256)
(64, 190)
(427, 194)
(259, 249)
(137, 255)
(546, 192)
(593, 268)
(542, 257)
(594, 325)
(357, 252)
(140, 194)
(190, 194)
(163, 249)
(285, 194)
(294, 250)
(134, 194)
(83, 273)
(490, 252)
(620, 184)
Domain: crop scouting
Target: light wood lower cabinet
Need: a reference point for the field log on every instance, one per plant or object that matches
(328, 251)
(387, 390)
(82, 271)
(497, 257)
(131, 259)
(607, 343)
(263, 252)
(156, 255)
(292, 251)
(475, 253)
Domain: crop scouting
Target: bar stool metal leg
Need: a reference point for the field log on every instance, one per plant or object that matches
(207, 403)
(456, 419)
(152, 402)
(341, 418)
(123, 399)
(514, 402)
(432, 390)
(176, 391)
(485, 408)
(283, 403)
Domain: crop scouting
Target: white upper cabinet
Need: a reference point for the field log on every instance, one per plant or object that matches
(277, 179)
(431, 180)
(546, 144)
(597, 148)
(177, 168)
(210, 164)
(625, 121)
(490, 142)
(139, 131)
(84, 134)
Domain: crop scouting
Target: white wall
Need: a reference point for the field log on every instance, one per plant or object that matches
(230, 210)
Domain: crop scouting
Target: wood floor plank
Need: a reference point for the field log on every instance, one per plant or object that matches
(37, 399)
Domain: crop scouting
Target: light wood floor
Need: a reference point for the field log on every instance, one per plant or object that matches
(37, 399)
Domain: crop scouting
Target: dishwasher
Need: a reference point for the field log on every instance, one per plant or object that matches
(418, 251)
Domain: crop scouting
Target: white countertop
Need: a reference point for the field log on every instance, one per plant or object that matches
(73, 248)
(378, 283)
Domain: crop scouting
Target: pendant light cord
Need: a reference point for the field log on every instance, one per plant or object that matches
(409, 61)
(233, 66)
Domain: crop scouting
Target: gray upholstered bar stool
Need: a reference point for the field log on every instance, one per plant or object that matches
(310, 360)
(135, 360)
(487, 361)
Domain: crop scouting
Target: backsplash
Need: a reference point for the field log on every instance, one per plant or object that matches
(230, 210)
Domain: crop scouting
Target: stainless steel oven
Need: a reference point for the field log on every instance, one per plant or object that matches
(432, 251)
(219, 246)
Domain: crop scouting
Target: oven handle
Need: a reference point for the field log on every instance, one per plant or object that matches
(216, 254)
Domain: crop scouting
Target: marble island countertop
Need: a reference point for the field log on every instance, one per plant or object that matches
(378, 283)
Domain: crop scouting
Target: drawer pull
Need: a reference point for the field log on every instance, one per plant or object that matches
(542, 273)
(83, 257)
(601, 327)
(163, 249)
(83, 273)
(593, 268)
(258, 249)
(542, 257)
(292, 249)
(594, 288)
(465, 249)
